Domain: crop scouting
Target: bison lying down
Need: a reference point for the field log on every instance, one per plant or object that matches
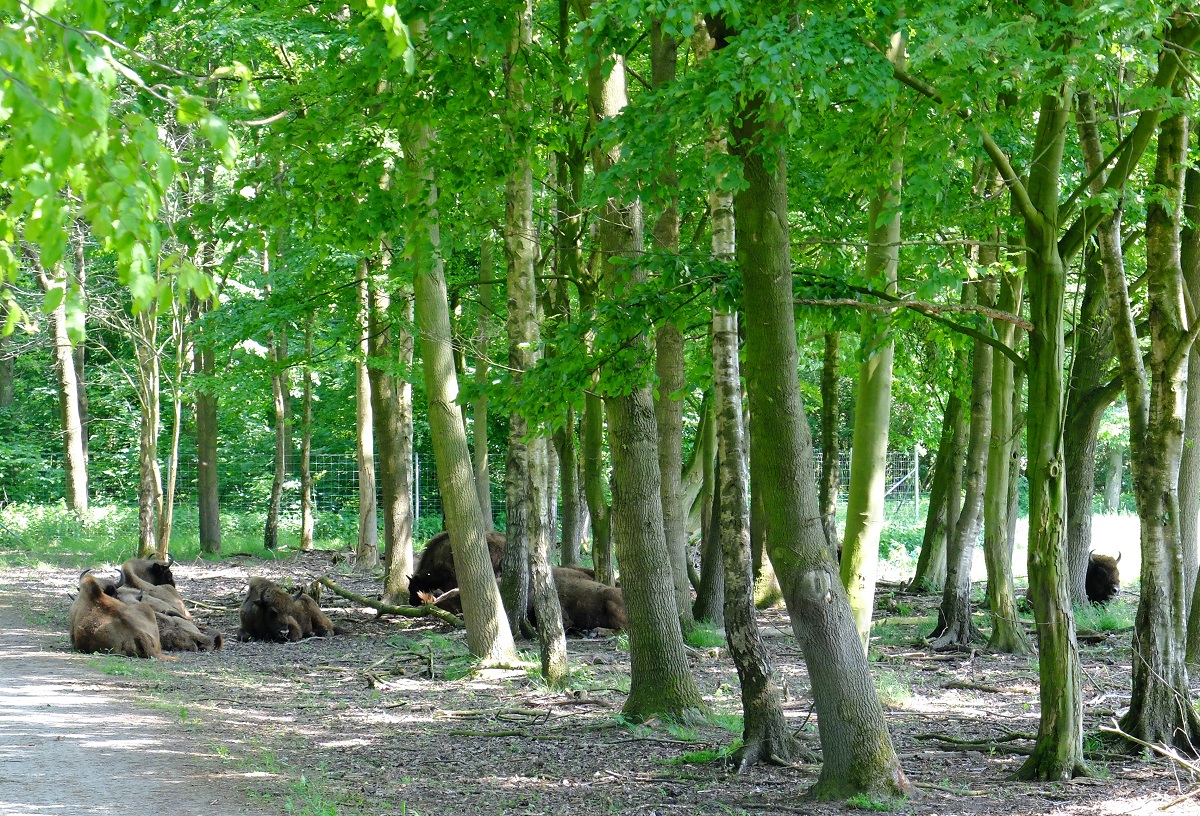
(101, 622)
(271, 613)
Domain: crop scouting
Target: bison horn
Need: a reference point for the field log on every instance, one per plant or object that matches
(120, 581)
(170, 559)
(1119, 558)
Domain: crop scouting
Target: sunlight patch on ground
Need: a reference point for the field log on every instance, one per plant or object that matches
(345, 743)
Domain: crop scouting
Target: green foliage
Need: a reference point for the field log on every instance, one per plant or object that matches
(862, 801)
(892, 689)
(1117, 615)
(724, 754)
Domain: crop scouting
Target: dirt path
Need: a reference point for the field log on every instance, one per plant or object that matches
(73, 741)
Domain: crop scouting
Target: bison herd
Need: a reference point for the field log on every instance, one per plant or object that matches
(139, 612)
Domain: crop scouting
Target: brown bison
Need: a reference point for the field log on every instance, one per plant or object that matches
(271, 613)
(179, 635)
(154, 579)
(102, 622)
(435, 571)
(1103, 580)
(588, 604)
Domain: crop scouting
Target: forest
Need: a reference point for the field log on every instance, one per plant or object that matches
(685, 294)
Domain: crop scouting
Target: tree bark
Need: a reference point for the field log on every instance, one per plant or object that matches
(277, 355)
(661, 682)
(1113, 479)
(367, 549)
(398, 563)
(166, 518)
(710, 594)
(78, 239)
(945, 493)
(1161, 708)
(1189, 463)
(765, 733)
(149, 473)
(831, 470)
(488, 635)
(479, 437)
(1008, 634)
(204, 366)
(307, 510)
(74, 461)
(955, 628)
(857, 749)
(872, 416)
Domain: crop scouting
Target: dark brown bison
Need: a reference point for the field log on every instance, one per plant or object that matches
(435, 571)
(102, 622)
(154, 579)
(588, 604)
(179, 635)
(270, 613)
(1103, 579)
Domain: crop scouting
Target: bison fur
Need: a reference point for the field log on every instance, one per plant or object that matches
(101, 622)
(1103, 579)
(155, 580)
(588, 604)
(435, 571)
(179, 635)
(270, 613)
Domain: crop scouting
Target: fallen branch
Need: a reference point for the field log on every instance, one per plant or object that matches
(382, 608)
(987, 746)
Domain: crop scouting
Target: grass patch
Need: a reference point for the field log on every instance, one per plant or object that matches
(135, 667)
(892, 689)
(724, 755)
(861, 801)
(704, 636)
(1114, 616)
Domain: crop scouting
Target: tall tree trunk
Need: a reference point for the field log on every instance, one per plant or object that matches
(149, 475)
(488, 635)
(204, 366)
(872, 416)
(1089, 392)
(74, 460)
(78, 238)
(568, 470)
(1008, 634)
(8, 391)
(277, 356)
(483, 480)
(856, 747)
(945, 493)
(668, 360)
(955, 628)
(710, 594)
(831, 470)
(367, 550)
(765, 733)
(1189, 463)
(524, 350)
(592, 426)
(398, 563)
(661, 682)
(166, 518)
(1161, 708)
(307, 514)
(1113, 478)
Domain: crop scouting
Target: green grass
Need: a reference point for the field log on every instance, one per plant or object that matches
(119, 666)
(892, 688)
(33, 536)
(862, 801)
(704, 635)
(706, 755)
(1114, 616)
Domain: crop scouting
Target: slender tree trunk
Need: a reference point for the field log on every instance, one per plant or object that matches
(483, 479)
(831, 470)
(661, 682)
(1161, 708)
(955, 628)
(78, 238)
(398, 564)
(166, 518)
(856, 747)
(488, 635)
(1113, 479)
(74, 461)
(710, 594)
(367, 550)
(1189, 463)
(385, 413)
(277, 357)
(568, 458)
(1088, 392)
(1008, 634)
(149, 475)
(872, 417)
(8, 391)
(204, 366)
(945, 492)
(307, 514)
(593, 465)
(765, 733)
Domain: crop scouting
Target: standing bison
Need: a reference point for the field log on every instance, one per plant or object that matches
(1103, 580)
(271, 613)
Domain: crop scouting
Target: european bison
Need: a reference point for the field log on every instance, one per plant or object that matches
(588, 604)
(435, 571)
(1103, 579)
(270, 613)
(154, 579)
(179, 635)
(101, 622)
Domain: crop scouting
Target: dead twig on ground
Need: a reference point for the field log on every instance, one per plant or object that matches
(391, 609)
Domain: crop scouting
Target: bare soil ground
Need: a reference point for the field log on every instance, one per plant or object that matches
(387, 719)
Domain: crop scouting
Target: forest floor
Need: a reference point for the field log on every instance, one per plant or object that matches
(387, 719)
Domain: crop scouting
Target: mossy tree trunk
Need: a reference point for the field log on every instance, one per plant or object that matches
(945, 492)
(858, 754)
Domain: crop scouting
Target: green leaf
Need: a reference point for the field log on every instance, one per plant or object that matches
(54, 298)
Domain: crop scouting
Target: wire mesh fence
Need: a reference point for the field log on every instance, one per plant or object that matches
(245, 482)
